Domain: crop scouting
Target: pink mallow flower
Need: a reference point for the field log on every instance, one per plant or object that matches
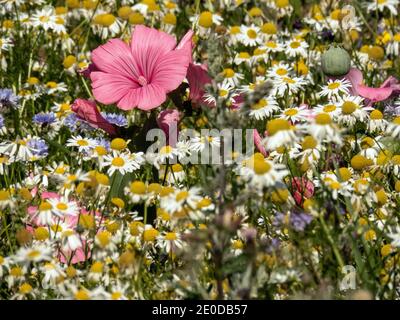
(140, 74)
(389, 88)
(302, 189)
(168, 120)
(197, 77)
(87, 110)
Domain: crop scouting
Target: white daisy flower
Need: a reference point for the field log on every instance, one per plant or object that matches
(335, 88)
(250, 35)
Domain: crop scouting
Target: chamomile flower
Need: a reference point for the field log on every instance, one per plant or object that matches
(83, 144)
(323, 129)
(231, 77)
(352, 110)
(335, 88)
(376, 122)
(44, 18)
(287, 85)
(6, 199)
(205, 20)
(17, 150)
(281, 133)
(250, 35)
(170, 241)
(279, 70)
(261, 173)
(264, 108)
(106, 25)
(33, 254)
(273, 46)
(332, 108)
(243, 57)
(296, 47)
(123, 162)
(62, 207)
(201, 143)
(296, 114)
(53, 87)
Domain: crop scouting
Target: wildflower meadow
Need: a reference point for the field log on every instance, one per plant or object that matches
(176, 149)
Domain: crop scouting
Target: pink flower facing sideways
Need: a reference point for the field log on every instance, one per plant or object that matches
(87, 110)
(142, 73)
(388, 89)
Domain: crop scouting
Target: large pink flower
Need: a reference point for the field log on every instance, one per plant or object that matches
(142, 73)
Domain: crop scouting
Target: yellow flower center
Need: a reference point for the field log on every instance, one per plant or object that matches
(252, 34)
(244, 55)
(62, 206)
(281, 71)
(348, 107)
(25, 288)
(171, 236)
(323, 119)
(333, 85)
(345, 173)
(104, 238)
(269, 28)
(182, 195)
(329, 108)
(82, 143)
(281, 3)
(261, 167)
(309, 143)
(82, 295)
(237, 244)
(118, 144)
(294, 44)
(33, 254)
(150, 235)
(291, 112)
(166, 150)
(205, 19)
(118, 162)
(4, 195)
(104, 19)
(44, 19)
(136, 18)
(138, 187)
(170, 18)
(229, 73)
(97, 267)
(276, 125)
(376, 115)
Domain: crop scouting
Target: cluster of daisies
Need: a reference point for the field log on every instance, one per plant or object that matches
(92, 208)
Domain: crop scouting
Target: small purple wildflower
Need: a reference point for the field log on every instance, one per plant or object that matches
(116, 119)
(44, 118)
(8, 99)
(38, 147)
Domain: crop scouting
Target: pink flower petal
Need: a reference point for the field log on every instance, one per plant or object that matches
(197, 77)
(374, 94)
(168, 120)
(87, 110)
(109, 88)
(115, 57)
(147, 46)
(171, 70)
